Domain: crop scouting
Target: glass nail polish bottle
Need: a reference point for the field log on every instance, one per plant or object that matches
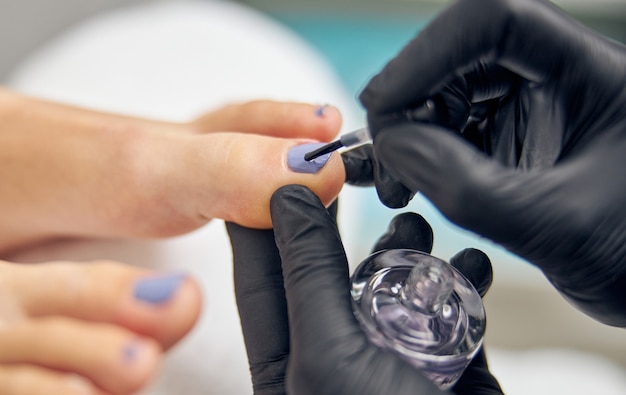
(422, 308)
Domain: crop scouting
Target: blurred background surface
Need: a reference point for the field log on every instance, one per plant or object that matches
(27, 24)
(357, 37)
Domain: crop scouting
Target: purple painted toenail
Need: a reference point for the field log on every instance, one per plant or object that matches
(131, 350)
(297, 163)
(321, 110)
(157, 290)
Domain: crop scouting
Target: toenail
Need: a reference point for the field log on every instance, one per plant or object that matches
(157, 290)
(321, 111)
(131, 350)
(297, 163)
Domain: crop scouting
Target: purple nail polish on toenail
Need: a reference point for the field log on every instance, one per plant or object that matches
(297, 163)
(157, 290)
(321, 110)
(130, 350)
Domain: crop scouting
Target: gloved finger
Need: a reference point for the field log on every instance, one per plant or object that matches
(475, 265)
(330, 354)
(311, 250)
(407, 230)
(468, 97)
(363, 169)
(489, 31)
(262, 306)
(333, 210)
(359, 165)
(477, 379)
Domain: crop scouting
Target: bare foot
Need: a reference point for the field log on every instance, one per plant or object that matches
(70, 172)
(89, 328)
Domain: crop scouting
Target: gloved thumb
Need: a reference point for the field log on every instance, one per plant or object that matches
(363, 169)
(476, 267)
(477, 379)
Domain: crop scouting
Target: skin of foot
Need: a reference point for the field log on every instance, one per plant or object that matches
(104, 334)
(70, 172)
(101, 328)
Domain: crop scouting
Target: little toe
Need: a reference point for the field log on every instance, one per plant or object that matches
(112, 358)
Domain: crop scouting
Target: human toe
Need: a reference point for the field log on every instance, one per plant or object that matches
(107, 356)
(18, 379)
(275, 118)
(256, 166)
(161, 306)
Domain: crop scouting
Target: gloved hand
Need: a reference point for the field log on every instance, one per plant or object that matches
(301, 335)
(528, 143)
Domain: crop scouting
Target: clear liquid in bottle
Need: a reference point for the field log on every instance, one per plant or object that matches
(422, 308)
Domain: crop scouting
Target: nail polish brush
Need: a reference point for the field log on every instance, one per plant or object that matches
(361, 136)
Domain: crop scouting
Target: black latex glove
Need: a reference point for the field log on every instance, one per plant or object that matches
(301, 335)
(363, 169)
(530, 147)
